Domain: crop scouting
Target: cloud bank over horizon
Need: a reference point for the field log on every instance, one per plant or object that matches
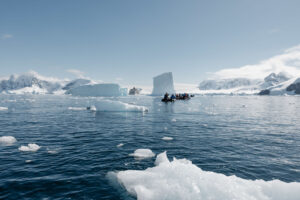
(288, 62)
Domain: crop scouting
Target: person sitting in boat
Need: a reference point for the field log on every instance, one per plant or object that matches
(166, 97)
(173, 97)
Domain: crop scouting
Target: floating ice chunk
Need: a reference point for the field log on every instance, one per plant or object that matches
(167, 138)
(31, 147)
(117, 106)
(142, 153)
(180, 179)
(28, 161)
(77, 108)
(3, 108)
(120, 145)
(7, 140)
(92, 108)
(173, 120)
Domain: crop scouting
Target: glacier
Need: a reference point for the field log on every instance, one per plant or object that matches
(163, 83)
(181, 179)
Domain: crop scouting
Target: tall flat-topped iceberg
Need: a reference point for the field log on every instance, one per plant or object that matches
(98, 90)
(163, 83)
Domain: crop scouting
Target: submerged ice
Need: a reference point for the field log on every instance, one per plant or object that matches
(180, 179)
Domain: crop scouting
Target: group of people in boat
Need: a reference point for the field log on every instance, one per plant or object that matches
(174, 97)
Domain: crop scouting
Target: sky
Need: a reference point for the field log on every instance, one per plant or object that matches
(130, 41)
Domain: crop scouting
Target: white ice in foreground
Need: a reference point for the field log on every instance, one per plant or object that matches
(3, 108)
(77, 108)
(180, 179)
(142, 153)
(167, 138)
(117, 106)
(162, 84)
(98, 90)
(31, 147)
(7, 140)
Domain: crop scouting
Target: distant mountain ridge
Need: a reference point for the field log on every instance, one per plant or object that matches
(248, 86)
(32, 82)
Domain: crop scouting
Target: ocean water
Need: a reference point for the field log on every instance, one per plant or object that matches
(250, 137)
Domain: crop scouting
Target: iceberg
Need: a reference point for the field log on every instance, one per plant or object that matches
(180, 179)
(98, 90)
(118, 106)
(163, 83)
(76, 83)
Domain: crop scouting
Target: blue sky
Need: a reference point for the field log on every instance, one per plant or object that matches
(134, 40)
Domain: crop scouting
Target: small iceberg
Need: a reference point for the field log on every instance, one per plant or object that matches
(142, 153)
(31, 147)
(7, 140)
(118, 106)
(3, 108)
(167, 138)
(120, 145)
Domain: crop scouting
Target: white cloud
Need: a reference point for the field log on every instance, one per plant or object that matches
(287, 62)
(76, 72)
(6, 36)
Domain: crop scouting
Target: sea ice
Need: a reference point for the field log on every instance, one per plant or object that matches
(3, 108)
(167, 138)
(7, 140)
(31, 147)
(77, 108)
(142, 153)
(120, 145)
(180, 179)
(162, 84)
(117, 106)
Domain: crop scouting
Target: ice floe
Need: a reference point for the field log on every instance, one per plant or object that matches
(118, 106)
(120, 145)
(142, 153)
(7, 140)
(31, 147)
(180, 179)
(77, 108)
(167, 138)
(3, 108)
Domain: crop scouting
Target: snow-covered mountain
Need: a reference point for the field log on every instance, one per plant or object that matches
(30, 82)
(242, 85)
(224, 84)
(289, 87)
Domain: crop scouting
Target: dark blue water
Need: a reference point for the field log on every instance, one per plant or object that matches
(248, 136)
